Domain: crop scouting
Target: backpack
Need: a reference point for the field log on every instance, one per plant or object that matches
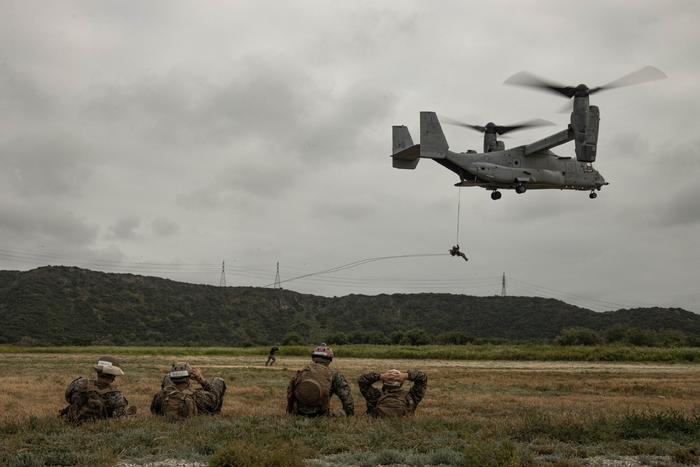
(392, 404)
(88, 403)
(313, 386)
(178, 403)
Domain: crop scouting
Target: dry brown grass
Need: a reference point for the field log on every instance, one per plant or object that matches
(33, 384)
(484, 413)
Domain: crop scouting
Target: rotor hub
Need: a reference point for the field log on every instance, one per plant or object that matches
(581, 90)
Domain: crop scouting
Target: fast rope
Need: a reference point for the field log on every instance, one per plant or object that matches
(354, 264)
(459, 208)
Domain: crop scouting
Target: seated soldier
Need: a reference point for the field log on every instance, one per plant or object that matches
(178, 399)
(391, 400)
(92, 399)
(310, 390)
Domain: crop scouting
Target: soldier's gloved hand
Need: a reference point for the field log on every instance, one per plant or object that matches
(197, 375)
(391, 376)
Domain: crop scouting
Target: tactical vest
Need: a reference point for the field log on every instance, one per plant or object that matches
(312, 387)
(178, 403)
(88, 403)
(393, 404)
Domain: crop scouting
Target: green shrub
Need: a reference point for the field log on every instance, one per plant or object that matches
(493, 454)
(293, 338)
(658, 425)
(578, 336)
(454, 338)
(337, 338)
(244, 454)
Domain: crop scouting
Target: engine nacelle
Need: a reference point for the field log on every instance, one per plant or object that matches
(586, 134)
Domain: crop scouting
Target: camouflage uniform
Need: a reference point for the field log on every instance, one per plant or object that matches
(209, 398)
(412, 396)
(271, 356)
(115, 403)
(339, 387)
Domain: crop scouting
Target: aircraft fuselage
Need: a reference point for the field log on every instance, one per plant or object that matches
(510, 167)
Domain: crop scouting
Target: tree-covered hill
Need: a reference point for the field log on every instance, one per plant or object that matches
(57, 305)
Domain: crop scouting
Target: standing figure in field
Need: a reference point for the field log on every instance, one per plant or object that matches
(178, 399)
(93, 399)
(310, 390)
(271, 356)
(392, 400)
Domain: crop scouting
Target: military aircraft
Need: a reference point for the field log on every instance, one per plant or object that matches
(531, 166)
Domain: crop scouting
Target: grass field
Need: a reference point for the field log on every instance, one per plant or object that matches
(519, 352)
(481, 413)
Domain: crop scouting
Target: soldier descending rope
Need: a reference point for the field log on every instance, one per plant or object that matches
(454, 251)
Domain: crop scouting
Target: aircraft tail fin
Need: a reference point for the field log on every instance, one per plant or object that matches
(405, 154)
(432, 140)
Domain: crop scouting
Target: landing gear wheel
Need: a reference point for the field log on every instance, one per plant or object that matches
(495, 195)
(593, 195)
(520, 188)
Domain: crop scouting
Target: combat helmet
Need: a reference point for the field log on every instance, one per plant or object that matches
(180, 372)
(322, 351)
(108, 365)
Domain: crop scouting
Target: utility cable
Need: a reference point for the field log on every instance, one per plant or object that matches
(354, 264)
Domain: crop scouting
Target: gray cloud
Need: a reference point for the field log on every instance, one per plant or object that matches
(125, 228)
(263, 135)
(45, 224)
(22, 96)
(163, 227)
(36, 165)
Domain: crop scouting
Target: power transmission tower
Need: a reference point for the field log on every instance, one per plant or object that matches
(503, 285)
(278, 284)
(222, 279)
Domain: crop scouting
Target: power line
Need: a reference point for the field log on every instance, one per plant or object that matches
(364, 282)
(354, 264)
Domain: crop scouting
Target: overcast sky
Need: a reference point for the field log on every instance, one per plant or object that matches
(165, 137)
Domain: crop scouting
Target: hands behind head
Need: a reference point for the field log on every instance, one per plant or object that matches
(393, 376)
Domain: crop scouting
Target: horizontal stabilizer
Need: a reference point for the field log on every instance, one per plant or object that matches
(406, 159)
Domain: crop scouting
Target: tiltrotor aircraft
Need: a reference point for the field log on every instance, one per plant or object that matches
(532, 166)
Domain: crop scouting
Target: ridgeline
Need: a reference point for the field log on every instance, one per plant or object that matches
(57, 305)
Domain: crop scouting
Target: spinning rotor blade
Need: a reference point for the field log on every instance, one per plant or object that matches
(643, 75)
(499, 129)
(451, 121)
(528, 79)
(502, 130)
